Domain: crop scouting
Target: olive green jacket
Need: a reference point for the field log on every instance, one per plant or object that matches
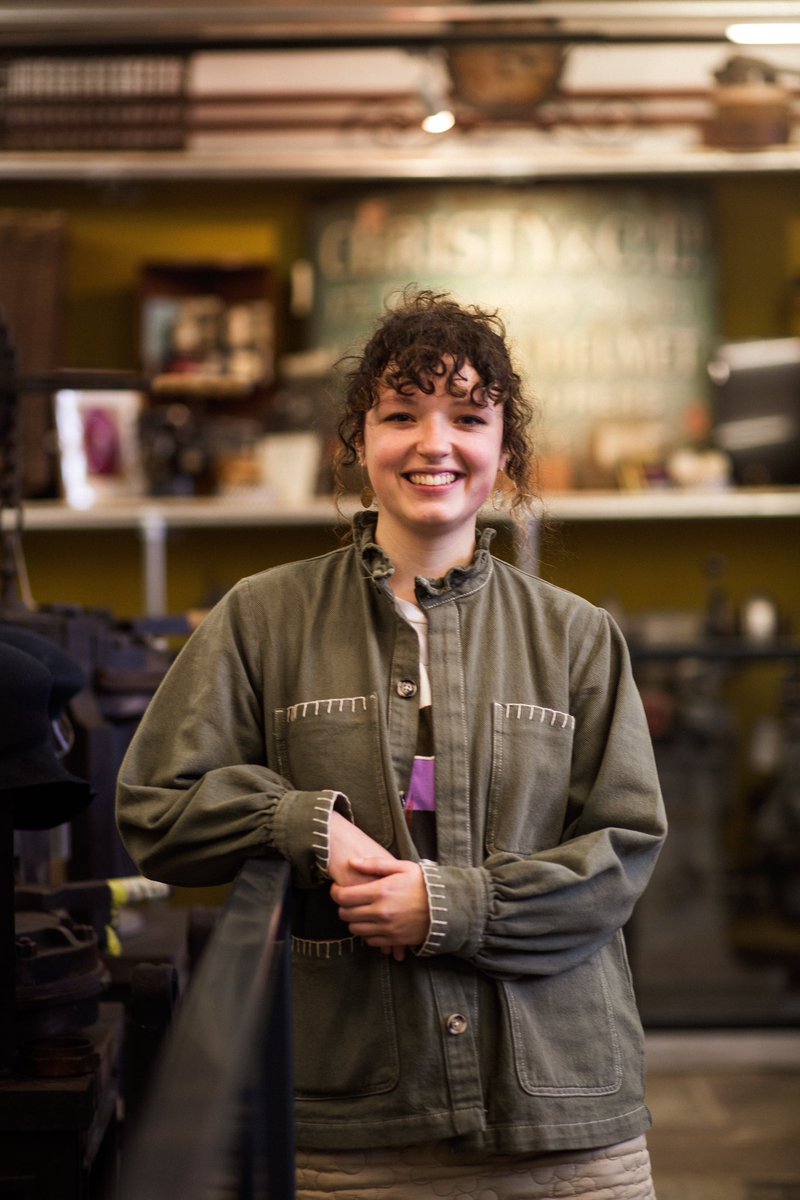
(514, 1028)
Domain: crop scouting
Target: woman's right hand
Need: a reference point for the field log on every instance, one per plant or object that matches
(345, 842)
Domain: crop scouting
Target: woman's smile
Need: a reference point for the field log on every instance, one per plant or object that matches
(429, 479)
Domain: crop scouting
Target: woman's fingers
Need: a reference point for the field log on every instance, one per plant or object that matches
(390, 908)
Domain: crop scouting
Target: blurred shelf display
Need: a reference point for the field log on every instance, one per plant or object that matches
(332, 94)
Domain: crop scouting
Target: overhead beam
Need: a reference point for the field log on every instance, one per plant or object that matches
(85, 24)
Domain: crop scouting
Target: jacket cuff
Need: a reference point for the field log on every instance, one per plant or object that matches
(301, 832)
(458, 898)
(327, 803)
(437, 907)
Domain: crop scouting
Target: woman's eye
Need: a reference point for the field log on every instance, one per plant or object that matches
(471, 419)
(398, 417)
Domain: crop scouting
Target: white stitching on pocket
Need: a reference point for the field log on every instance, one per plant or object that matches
(335, 948)
(313, 707)
(545, 716)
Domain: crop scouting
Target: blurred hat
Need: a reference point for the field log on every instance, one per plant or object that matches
(33, 690)
(68, 677)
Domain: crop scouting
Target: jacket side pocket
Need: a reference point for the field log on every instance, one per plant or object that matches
(336, 1056)
(564, 1032)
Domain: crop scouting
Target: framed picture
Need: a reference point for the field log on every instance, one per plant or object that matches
(98, 445)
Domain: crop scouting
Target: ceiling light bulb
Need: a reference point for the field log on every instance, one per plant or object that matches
(439, 122)
(771, 33)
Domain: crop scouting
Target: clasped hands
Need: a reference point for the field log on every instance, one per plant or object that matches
(382, 899)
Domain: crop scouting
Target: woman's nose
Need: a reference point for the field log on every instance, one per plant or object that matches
(434, 439)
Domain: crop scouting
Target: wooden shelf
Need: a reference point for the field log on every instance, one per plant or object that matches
(456, 158)
(153, 518)
(259, 509)
(673, 504)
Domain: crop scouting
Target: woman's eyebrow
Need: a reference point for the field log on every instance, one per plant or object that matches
(476, 397)
(391, 395)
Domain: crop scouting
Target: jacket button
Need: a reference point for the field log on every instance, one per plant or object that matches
(407, 689)
(457, 1023)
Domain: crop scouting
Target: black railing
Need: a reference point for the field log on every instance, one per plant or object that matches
(217, 1121)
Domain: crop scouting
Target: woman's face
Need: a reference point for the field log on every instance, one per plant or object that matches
(432, 459)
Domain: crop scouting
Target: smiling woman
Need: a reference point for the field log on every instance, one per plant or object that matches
(430, 343)
(453, 757)
(431, 452)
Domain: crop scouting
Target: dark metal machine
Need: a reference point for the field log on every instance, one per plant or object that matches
(74, 683)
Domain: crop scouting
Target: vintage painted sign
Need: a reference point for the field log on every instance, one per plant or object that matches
(607, 290)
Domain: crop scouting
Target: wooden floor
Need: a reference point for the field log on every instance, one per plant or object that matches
(726, 1113)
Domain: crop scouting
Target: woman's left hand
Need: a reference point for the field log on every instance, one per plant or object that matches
(389, 910)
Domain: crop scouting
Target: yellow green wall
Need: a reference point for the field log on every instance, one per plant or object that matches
(759, 253)
(115, 227)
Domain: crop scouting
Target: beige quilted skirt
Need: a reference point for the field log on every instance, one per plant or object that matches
(432, 1172)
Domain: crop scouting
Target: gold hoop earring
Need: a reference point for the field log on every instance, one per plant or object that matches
(500, 491)
(367, 496)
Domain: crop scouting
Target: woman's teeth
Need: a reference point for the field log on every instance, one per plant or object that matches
(432, 480)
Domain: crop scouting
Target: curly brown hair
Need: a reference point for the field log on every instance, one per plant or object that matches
(407, 349)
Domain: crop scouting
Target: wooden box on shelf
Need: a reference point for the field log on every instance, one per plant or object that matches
(208, 328)
(207, 339)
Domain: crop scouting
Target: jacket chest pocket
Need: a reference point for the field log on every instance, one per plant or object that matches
(335, 743)
(529, 784)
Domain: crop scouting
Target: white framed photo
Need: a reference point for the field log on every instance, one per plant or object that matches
(98, 445)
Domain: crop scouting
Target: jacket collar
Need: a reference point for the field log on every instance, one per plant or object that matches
(458, 582)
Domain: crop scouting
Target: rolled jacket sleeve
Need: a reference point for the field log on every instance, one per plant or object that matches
(196, 796)
(546, 912)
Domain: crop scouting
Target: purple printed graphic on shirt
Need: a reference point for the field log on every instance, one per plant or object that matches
(421, 796)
